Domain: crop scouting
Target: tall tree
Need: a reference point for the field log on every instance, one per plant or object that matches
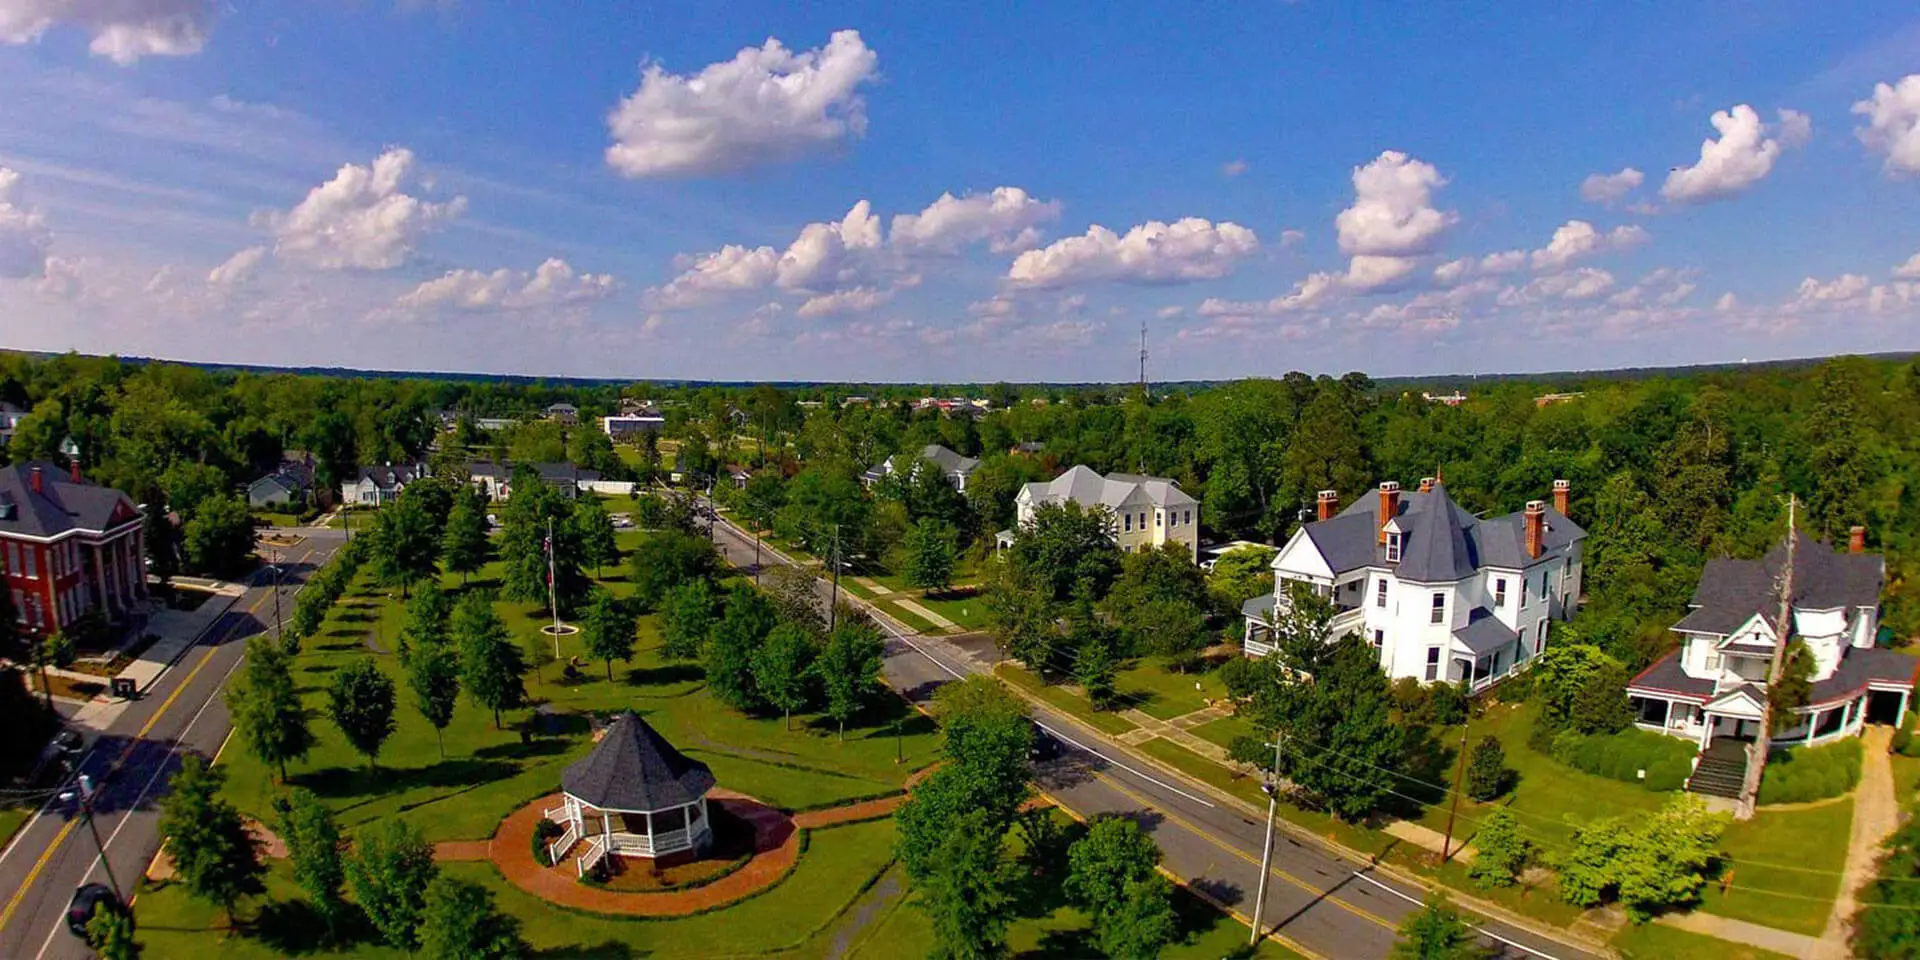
(217, 859)
(795, 595)
(316, 850)
(593, 531)
(729, 654)
(464, 545)
(849, 670)
(427, 616)
(406, 545)
(687, 618)
(490, 665)
(1114, 852)
(266, 707)
(391, 867)
(1066, 546)
(666, 560)
(459, 921)
(781, 668)
(433, 674)
(218, 536)
(932, 553)
(45, 651)
(538, 538)
(969, 890)
(609, 629)
(360, 702)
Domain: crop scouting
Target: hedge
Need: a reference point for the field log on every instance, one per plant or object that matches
(1811, 773)
(1623, 755)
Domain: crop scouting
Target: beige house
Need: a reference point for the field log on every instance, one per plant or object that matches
(1145, 511)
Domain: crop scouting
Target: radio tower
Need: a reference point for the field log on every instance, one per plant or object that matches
(1145, 391)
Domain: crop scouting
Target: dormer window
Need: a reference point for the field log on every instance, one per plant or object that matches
(1393, 547)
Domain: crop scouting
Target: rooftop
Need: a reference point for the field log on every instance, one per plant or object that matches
(634, 769)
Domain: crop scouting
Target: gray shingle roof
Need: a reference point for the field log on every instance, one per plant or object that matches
(1666, 677)
(1260, 606)
(387, 476)
(1731, 591)
(1484, 633)
(633, 768)
(1442, 542)
(1860, 666)
(1084, 486)
(61, 505)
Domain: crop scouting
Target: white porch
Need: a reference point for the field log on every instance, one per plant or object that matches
(627, 833)
(1737, 715)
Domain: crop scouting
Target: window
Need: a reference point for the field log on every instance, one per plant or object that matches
(32, 570)
(1439, 608)
(1499, 592)
(1380, 595)
(1713, 660)
(1143, 519)
(1540, 643)
(1379, 637)
(1129, 523)
(1393, 548)
(1433, 664)
(1543, 586)
(1156, 519)
(1189, 517)
(13, 559)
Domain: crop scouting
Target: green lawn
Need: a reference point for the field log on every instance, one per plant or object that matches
(1813, 839)
(1153, 689)
(12, 818)
(1065, 700)
(1651, 941)
(1224, 731)
(965, 607)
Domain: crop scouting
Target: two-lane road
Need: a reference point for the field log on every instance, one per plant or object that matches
(131, 762)
(1321, 901)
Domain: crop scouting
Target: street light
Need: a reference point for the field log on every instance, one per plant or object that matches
(84, 793)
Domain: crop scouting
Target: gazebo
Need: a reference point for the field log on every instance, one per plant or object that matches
(633, 796)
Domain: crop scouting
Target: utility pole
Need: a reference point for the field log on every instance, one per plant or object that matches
(279, 628)
(1459, 780)
(553, 596)
(1145, 391)
(84, 794)
(833, 605)
(1763, 741)
(1272, 789)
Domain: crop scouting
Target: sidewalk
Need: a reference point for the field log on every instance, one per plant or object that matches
(1876, 814)
(1740, 931)
(178, 631)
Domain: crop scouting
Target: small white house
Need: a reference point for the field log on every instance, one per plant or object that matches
(376, 486)
(1441, 594)
(1145, 511)
(956, 467)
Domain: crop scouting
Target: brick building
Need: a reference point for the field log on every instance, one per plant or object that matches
(67, 547)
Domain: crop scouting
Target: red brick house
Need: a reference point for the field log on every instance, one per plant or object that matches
(67, 547)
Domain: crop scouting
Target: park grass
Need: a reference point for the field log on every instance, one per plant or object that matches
(1063, 699)
(965, 607)
(1150, 687)
(1810, 840)
(1225, 730)
(1652, 941)
(13, 816)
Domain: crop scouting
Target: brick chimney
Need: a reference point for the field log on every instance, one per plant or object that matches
(1536, 523)
(1562, 493)
(1426, 484)
(39, 485)
(1389, 505)
(1329, 504)
(1857, 539)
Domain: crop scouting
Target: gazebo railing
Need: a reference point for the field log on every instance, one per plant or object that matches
(596, 851)
(559, 847)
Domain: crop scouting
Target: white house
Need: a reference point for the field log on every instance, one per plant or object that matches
(1146, 511)
(1712, 688)
(10, 417)
(382, 484)
(1440, 593)
(956, 467)
(496, 479)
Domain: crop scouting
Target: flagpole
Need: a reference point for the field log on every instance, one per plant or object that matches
(553, 601)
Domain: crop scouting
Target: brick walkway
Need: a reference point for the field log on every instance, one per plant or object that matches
(462, 849)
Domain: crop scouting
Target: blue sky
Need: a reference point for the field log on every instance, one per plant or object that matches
(622, 190)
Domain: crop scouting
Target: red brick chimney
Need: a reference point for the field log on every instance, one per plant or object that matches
(1389, 505)
(1426, 484)
(73, 471)
(1562, 493)
(1536, 522)
(1857, 540)
(1329, 504)
(39, 485)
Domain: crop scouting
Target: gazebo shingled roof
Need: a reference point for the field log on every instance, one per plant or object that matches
(634, 769)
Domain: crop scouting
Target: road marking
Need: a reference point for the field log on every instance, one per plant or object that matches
(34, 874)
(1483, 931)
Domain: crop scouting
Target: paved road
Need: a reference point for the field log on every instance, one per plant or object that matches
(132, 761)
(1320, 901)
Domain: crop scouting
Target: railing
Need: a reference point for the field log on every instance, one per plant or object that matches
(1346, 619)
(558, 814)
(596, 851)
(559, 847)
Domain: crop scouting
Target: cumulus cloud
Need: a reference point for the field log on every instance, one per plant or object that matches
(552, 284)
(1909, 270)
(1893, 124)
(1727, 302)
(1584, 283)
(123, 30)
(1393, 213)
(1233, 168)
(856, 300)
(1312, 291)
(826, 255)
(1184, 251)
(1610, 187)
(1742, 156)
(1578, 238)
(1662, 287)
(767, 104)
(361, 219)
(1814, 294)
(1365, 273)
(1006, 219)
(24, 235)
(727, 269)
(238, 268)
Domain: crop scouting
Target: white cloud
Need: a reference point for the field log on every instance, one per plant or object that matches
(767, 104)
(1452, 272)
(824, 256)
(1893, 124)
(856, 300)
(1007, 219)
(1578, 238)
(1392, 213)
(60, 280)
(1742, 157)
(1584, 283)
(1727, 302)
(1610, 187)
(1312, 291)
(727, 269)
(360, 219)
(1504, 262)
(238, 268)
(1661, 287)
(1366, 273)
(1289, 238)
(1181, 252)
(123, 30)
(24, 236)
(1168, 313)
(1909, 270)
(1813, 294)
(554, 283)
(1233, 168)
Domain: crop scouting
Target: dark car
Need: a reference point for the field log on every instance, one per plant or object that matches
(1043, 748)
(87, 901)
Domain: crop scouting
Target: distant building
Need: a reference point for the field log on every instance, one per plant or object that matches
(67, 547)
(956, 467)
(10, 417)
(1146, 511)
(286, 484)
(491, 424)
(496, 479)
(565, 413)
(1453, 399)
(628, 426)
(1552, 398)
(376, 486)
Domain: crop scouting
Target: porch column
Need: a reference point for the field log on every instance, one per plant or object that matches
(1666, 716)
(1706, 730)
(1901, 720)
(1813, 723)
(138, 561)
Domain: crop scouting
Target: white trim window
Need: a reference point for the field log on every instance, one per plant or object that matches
(1499, 592)
(1380, 595)
(1439, 614)
(1393, 548)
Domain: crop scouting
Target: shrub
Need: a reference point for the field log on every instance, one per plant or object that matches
(1488, 775)
(1811, 773)
(1503, 854)
(1622, 756)
(1428, 704)
(1239, 675)
(544, 833)
(1902, 742)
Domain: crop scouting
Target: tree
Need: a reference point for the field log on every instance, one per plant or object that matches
(464, 544)
(1437, 932)
(110, 934)
(1240, 575)
(188, 484)
(1020, 607)
(217, 859)
(985, 737)
(748, 619)
(389, 872)
(427, 616)
(1501, 853)
(795, 595)
(316, 850)
(536, 651)
(1114, 852)
(1065, 546)
(849, 670)
(968, 892)
(932, 552)
(593, 530)
(667, 559)
(1794, 687)
(49, 650)
(609, 629)
(1888, 921)
(1561, 674)
(406, 545)
(433, 674)
(218, 536)
(538, 538)
(1488, 775)
(781, 669)
(360, 702)
(1659, 863)
(459, 921)
(687, 616)
(1095, 670)
(266, 707)
(1142, 922)
(1343, 746)
(163, 540)
(490, 665)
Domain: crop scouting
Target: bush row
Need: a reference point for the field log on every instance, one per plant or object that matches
(1665, 760)
(325, 587)
(1811, 773)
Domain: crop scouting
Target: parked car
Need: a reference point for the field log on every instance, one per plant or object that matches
(88, 900)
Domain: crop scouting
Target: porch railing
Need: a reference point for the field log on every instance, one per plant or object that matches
(596, 851)
(559, 847)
